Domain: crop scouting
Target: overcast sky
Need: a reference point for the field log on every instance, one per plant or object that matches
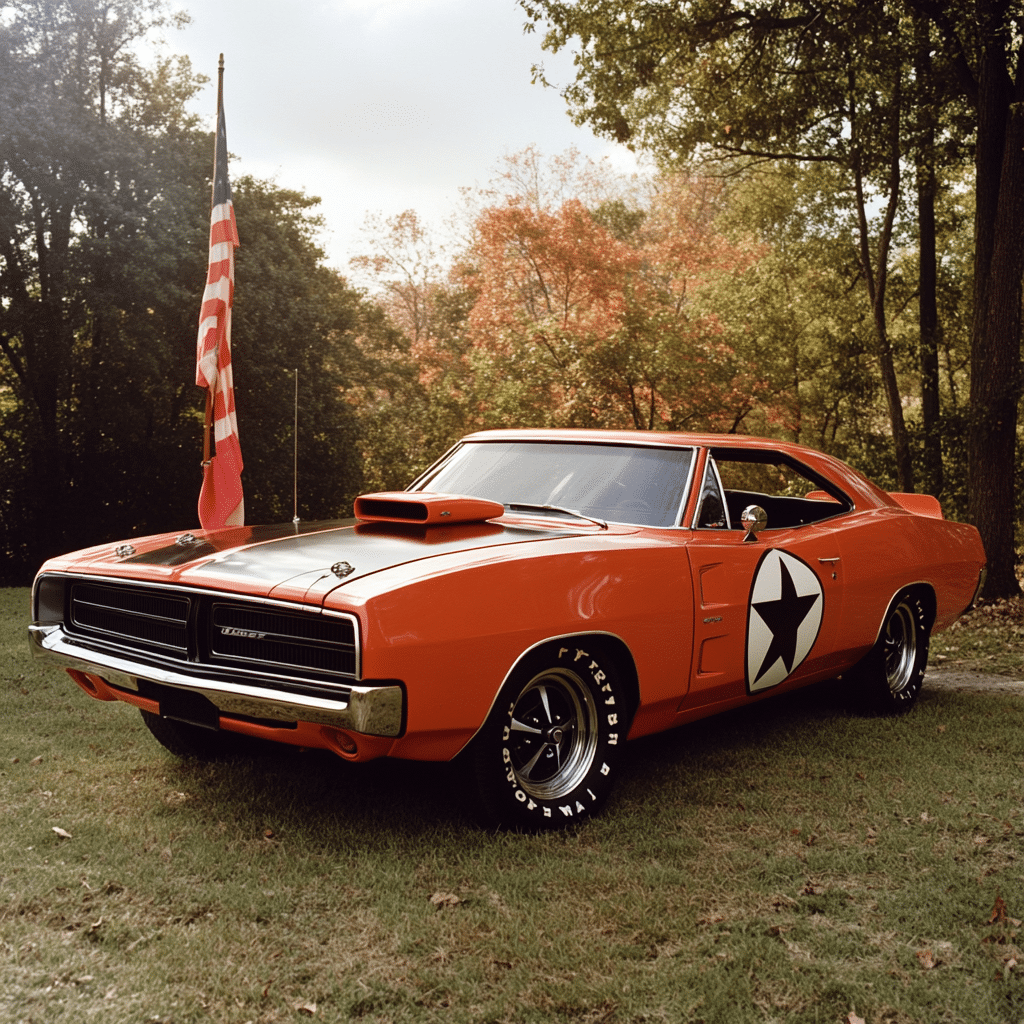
(378, 105)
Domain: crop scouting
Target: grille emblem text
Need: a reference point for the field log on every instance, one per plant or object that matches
(249, 634)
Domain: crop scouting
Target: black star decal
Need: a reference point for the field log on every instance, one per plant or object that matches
(784, 618)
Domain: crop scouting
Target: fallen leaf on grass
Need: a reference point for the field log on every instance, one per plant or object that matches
(445, 899)
(711, 919)
(998, 912)
(307, 1009)
(852, 1018)
(925, 958)
(62, 833)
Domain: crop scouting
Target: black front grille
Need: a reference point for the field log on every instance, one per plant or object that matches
(146, 618)
(268, 636)
(203, 629)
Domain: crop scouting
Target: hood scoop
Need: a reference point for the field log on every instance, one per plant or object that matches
(425, 508)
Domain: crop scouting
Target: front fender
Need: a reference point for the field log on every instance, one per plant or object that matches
(454, 636)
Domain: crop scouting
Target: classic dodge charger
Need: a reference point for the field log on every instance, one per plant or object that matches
(531, 602)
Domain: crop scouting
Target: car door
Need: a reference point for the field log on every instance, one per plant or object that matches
(767, 610)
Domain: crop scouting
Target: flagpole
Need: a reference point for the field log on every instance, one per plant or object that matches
(295, 471)
(208, 418)
(221, 498)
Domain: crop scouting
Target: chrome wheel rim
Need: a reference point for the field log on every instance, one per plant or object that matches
(552, 735)
(900, 648)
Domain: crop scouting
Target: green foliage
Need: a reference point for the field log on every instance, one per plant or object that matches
(292, 314)
(95, 164)
(871, 91)
(104, 226)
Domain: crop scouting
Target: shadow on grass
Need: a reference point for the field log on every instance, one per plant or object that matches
(274, 789)
(315, 792)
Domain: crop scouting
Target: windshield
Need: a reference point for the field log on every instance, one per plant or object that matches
(621, 483)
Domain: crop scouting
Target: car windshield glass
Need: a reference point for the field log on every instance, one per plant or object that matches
(621, 483)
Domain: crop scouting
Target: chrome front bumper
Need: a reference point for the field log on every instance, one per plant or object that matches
(373, 710)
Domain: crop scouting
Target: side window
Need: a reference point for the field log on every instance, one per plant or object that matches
(712, 513)
(790, 493)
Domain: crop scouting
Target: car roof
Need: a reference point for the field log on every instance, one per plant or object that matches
(649, 437)
(851, 479)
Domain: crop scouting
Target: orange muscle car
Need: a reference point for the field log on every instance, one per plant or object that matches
(532, 601)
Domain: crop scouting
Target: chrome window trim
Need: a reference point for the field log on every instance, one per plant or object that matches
(417, 484)
(710, 465)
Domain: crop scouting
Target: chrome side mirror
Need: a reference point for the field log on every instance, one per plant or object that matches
(754, 520)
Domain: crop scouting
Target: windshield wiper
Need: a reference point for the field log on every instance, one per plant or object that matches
(522, 507)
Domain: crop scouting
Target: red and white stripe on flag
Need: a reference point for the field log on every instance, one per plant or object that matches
(220, 500)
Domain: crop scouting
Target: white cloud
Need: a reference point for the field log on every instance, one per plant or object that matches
(379, 105)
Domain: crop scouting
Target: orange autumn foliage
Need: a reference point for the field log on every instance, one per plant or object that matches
(601, 322)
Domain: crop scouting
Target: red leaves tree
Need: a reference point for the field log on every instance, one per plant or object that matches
(589, 310)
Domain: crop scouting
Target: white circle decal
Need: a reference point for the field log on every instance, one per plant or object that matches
(786, 605)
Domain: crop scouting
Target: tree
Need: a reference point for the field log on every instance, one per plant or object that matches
(293, 314)
(413, 400)
(104, 226)
(89, 143)
(591, 312)
(839, 83)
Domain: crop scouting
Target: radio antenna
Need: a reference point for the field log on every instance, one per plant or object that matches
(295, 471)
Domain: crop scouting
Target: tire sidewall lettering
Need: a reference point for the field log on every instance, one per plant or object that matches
(601, 681)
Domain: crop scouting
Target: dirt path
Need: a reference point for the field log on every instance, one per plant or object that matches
(973, 682)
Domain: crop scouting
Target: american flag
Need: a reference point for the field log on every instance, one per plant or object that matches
(220, 500)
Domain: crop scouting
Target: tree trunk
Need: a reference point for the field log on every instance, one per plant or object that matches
(999, 269)
(928, 309)
(876, 275)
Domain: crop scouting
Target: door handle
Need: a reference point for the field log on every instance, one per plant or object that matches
(832, 563)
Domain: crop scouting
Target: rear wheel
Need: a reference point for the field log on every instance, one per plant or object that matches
(892, 673)
(547, 754)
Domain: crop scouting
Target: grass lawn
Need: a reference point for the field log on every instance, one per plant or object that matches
(790, 862)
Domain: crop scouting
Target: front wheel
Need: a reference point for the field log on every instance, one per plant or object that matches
(185, 740)
(547, 754)
(892, 673)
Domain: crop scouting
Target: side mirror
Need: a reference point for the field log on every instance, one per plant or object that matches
(754, 520)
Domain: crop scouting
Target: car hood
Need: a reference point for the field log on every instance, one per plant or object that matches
(290, 560)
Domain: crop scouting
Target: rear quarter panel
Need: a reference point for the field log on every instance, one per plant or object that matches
(887, 549)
